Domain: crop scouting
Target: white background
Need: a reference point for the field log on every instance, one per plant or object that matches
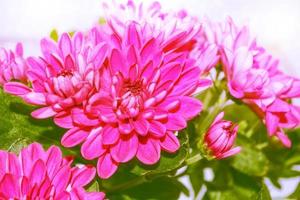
(276, 23)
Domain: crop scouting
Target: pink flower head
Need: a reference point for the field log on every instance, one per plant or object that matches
(220, 137)
(253, 76)
(63, 77)
(12, 65)
(180, 30)
(39, 174)
(145, 97)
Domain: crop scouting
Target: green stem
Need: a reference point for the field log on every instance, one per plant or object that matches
(193, 159)
(123, 186)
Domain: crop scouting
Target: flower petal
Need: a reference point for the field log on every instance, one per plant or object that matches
(148, 151)
(106, 166)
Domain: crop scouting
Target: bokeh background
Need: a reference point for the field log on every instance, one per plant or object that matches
(275, 22)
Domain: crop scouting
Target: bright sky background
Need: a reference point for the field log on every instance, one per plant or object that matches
(275, 22)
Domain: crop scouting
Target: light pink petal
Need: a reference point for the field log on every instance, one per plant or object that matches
(74, 137)
(16, 88)
(14, 166)
(271, 123)
(61, 179)
(35, 98)
(65, 44)
(53, 160)
(218, 118)
(92, 147)
(106, 166)
(43, 113)
(170, 142)
(125, 149)
(148, 151)
(110, 135)
(95, 196)
(284, 139)
(231, 152)
(125, 128)
(79, 117)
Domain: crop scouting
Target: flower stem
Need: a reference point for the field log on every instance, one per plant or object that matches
(194, 159)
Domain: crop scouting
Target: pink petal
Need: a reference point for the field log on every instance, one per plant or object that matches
(117, 62)
(175, 122)
(170, 142)
(53, 160)
(189, 107)
(83, 178)
(43, 113)
(271, 123)
(63, 120)
(61, 179)
(125, 149)
(110, 135)
(148, 151)
(231, 152)
(74, 137)
(38, 172)
(157, 129)
(65, 44)
(35, 98)
(106, 166)
(16, 88)
(141, 126)
(95, 195)
(79, 117)
(284, 139)
(92, 147)
(9, 186)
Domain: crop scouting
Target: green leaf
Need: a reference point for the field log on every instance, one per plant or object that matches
(18, 128)
(264, 193)
(54, 35)
(159, 189)
(251, 161)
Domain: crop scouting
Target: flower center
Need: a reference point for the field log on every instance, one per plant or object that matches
(135, 88)
(65, 73)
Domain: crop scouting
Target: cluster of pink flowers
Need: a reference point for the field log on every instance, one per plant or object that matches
(253, 76)
(39, 174)
(125, 88)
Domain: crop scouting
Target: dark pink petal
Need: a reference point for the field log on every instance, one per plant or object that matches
(9, 186)
(74, 137)
(148, 50)
(148, 151)
(125, 149)
(13, 165)
(106, 166)
(117, 62)
(170, 142)
(92, 147)
(133, 37)
(16, 88)
(43, 113)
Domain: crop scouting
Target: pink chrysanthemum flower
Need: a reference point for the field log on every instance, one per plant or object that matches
(12, 65)
(219, 138)
(63, 77)
(145, 97)
(180, 30)
(253, 76)
(39, 174)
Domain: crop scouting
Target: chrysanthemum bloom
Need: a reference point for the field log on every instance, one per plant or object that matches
(63, 77)
(219, 138)
(145, 97)
(12, 65)
(180, 30)
(253, 76)
(39, 174)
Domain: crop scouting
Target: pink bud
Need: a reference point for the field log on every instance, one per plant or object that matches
(220, 138)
